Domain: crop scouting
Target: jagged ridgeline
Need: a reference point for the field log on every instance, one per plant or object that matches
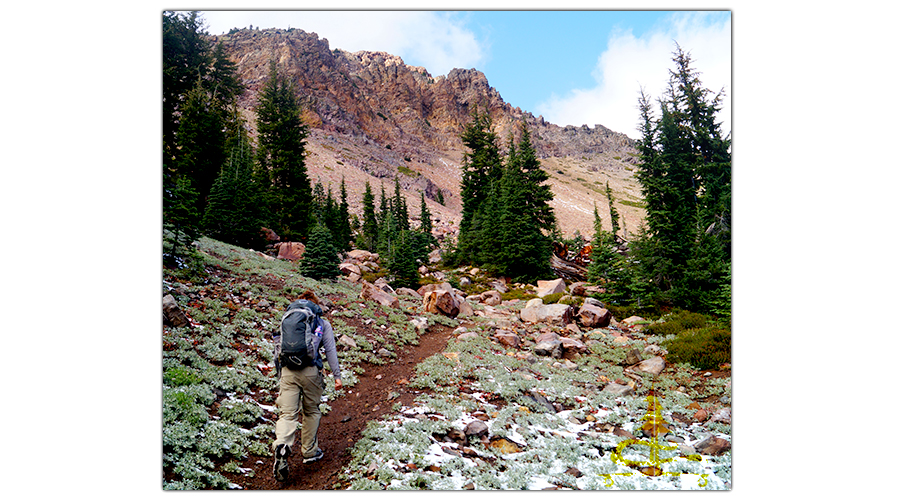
(370, 113)
(375, 96)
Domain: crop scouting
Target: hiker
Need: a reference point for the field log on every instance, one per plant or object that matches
(301, 383)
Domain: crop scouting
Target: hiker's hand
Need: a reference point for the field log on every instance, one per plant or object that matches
(338, 384)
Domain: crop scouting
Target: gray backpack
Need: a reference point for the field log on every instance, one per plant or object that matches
(301, 335)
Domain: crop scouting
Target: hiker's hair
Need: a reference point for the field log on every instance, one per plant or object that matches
(310, 296)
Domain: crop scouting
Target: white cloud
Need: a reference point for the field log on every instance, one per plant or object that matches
(437, 41)
(630, 63)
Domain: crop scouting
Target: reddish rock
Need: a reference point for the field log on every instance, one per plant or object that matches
(348, 268)
(290, 250)
(491, 297)
(423, 290)
(550, 287)
(370, 292)
(173, 314)
(508, 338)
(712, 446)
(572, 344)
(269, 236)
(441, 302)
(593, 316)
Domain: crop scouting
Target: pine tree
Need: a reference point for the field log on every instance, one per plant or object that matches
(180, 218)
(523, 252)
(344, 229)
(613, 213)
(320, 260)
(402, 263)
(537, 195)
(185, 51)
(232, 213)
(422, 239)
(482, 167)
(200, 142)
(368, 236)
(401, 213)
(281, 156)
(685, 178)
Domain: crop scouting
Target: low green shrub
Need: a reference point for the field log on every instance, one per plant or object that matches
(702, 348)
(518, 293)
(552, 298)
(177, 376)
(678, 322)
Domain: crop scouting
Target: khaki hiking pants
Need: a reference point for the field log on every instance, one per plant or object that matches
(299, 388)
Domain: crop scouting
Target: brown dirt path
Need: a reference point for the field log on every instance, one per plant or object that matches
(368, 401)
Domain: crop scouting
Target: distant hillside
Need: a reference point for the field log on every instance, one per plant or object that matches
(374, 117)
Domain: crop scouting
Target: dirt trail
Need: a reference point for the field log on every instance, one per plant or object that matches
(337, 434)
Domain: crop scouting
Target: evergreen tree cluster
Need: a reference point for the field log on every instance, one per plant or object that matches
(506, 217)
(215, 180)
(682, 257)
(387, 231)
(334, 215)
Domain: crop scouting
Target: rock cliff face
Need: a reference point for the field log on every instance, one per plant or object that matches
(373, 112)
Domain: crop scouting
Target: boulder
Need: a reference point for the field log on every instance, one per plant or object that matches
(578, 289)
(572, 344)
(467, 335)
(441, 302)
(631, 320)
(547, 337)
(372, 293)
(423, 290)
(362, 256)
(552, 348)
(172, 314)
(420, 324)
(491, 298)
(269, 236)
(593, 317)
(550, 287)
(476, 428)
(618, 389)
(409, 292)
(500, 286)
(633, 357)
(465, 309)
(434, 257)
(508, 338)
(536, 311)
(348, 268)
(347, 341)
(712, 446)
(290, 250)
(504, 446)
(653, 366)
(594, 302)
(723, 416)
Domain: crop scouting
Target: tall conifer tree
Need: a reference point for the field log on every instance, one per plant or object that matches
(368, 236)
(281, 155)
(482, 167)
(685, 178)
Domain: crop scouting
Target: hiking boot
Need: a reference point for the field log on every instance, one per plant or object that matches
(318, 456)
(282, 452)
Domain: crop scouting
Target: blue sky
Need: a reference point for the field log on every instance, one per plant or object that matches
(571, 67)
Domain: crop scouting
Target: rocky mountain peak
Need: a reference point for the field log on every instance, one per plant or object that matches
(399, 120)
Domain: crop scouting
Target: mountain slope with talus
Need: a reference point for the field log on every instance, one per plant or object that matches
(372, 118)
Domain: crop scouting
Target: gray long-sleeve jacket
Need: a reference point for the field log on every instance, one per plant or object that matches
(328, 343)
